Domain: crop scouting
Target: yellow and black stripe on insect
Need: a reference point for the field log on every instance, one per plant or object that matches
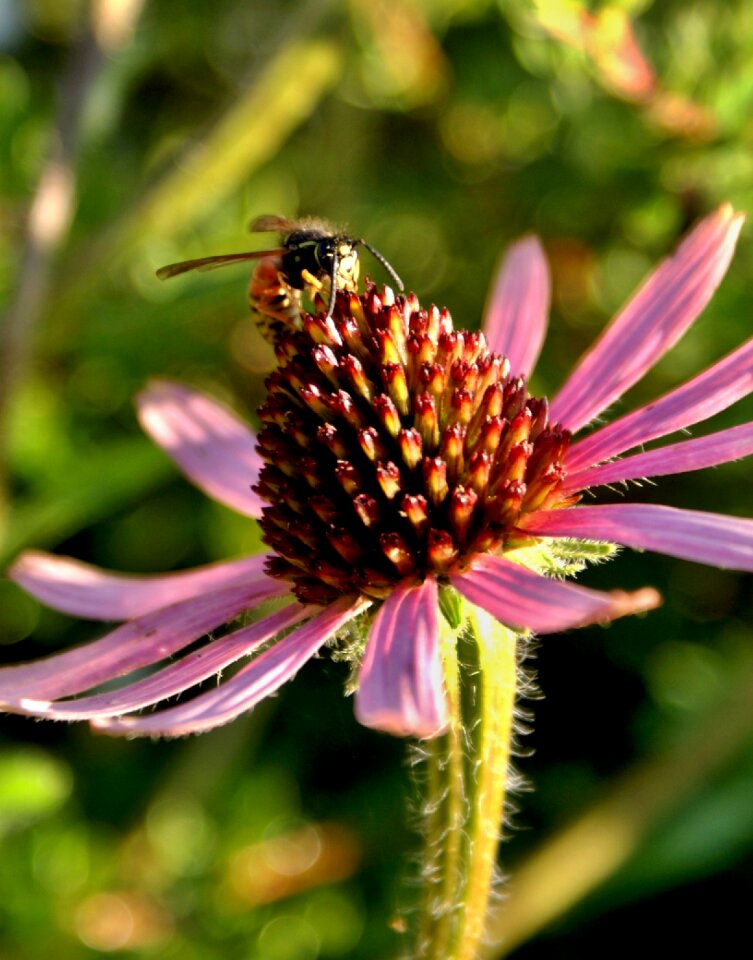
(313, 257)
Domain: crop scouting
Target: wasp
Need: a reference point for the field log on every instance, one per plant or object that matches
(313, 257)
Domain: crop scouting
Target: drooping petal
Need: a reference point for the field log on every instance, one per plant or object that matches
(86, 591)
(132, 645)
(518, 305)
(732, 444)
(652, 321)
(528, 601)
(171, 680)
(213, 447)
(711, 538)
(700, 398)
(400, 688)
(265, 674)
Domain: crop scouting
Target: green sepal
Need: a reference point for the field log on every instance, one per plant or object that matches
(450, 603)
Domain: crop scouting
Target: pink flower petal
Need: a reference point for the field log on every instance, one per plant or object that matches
(518, 306)
(700, 398)
(528, 601)
(213, 447)
(86, 591)
(265, 674)
(652, 322)
(173, 679)
(131, 646)
(710, 538)
(400, 688)
(721, 447)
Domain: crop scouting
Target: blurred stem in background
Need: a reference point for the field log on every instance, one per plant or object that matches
(586, 853)
(107, 27)
(248, 134)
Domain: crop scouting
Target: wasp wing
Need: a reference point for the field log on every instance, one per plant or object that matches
(270, 223)
(213, 263)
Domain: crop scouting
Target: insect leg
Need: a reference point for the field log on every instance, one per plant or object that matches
(333, 283)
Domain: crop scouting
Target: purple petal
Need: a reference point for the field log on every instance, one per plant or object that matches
(400, 688)
(710, 538)
(213, 447)
(652, 322)
(265, 674)
(700, 398)
(721, 447)
(528, 601)
(133, 645)
(86, 591)
(518, 306)
(173, 679)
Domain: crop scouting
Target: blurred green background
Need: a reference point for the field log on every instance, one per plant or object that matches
(132, 136)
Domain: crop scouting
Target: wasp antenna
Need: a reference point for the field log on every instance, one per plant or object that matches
(385, 263)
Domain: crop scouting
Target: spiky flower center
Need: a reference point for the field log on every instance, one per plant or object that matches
(394, 447)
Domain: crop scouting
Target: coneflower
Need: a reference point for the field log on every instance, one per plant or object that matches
(415, 496)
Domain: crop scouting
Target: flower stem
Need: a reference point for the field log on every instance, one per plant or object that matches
(466, 779)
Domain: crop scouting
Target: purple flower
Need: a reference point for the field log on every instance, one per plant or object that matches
(401, 466)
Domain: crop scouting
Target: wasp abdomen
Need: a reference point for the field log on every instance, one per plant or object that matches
(275, 306)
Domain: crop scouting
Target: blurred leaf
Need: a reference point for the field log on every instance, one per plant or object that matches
(403, 64)
(247, 135)
(588, 852)
(702, 838)
(33, 784)
(107, 477)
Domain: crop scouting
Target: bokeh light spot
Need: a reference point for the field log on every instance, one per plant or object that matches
(289, 938)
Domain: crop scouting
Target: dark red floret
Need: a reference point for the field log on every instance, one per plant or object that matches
(395, 446)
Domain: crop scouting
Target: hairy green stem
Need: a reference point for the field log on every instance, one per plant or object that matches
(467, 772)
